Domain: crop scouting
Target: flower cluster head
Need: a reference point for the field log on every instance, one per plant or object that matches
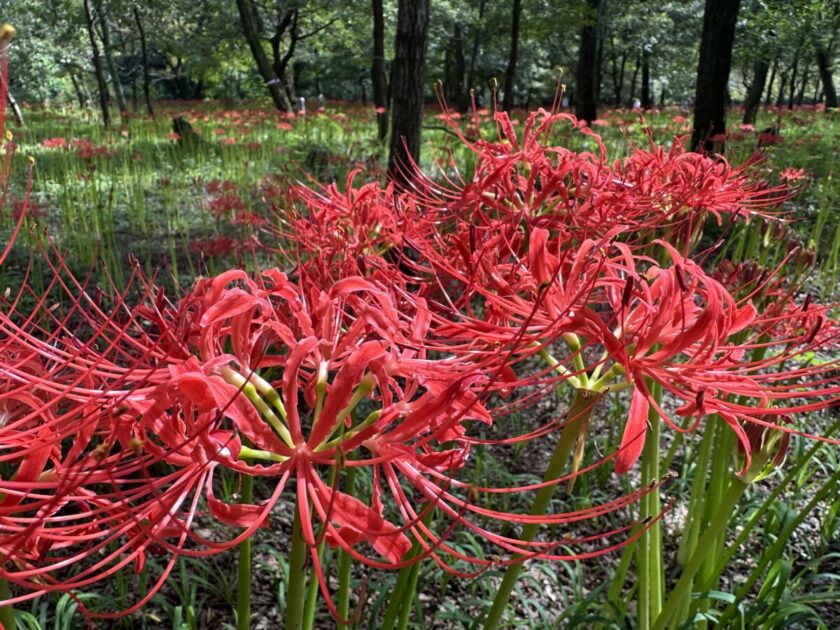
(397, 328)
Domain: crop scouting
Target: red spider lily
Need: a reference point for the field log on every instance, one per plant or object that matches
(331, 235)
(54, 143)
(189, 386)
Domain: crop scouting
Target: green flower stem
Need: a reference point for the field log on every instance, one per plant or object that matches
(411, 592)
(650, 573)
(312, 596)
(243, 586)
(7, 613)
(705, 546)
(694, 524)
(579, 414)
(401, 597)
(296, 588)
(717, 487)
(345, 562)
(774, 551)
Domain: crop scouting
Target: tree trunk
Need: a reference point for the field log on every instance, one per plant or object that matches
(618, 78)
(803, 85)
(793, 76)
(98, 70)
(586, 106)
(751, 103)
(824, 66)
(144, 53)
(362, 91)
(635, 76)
(377, 71)
(476, 46)
(250, 28)
(510, 73)
(112, 67)
(78, 90)
(458, 70)
(599, 55)
(769, 97)
(18, 114)
(713, 73)
(408, 74)
(646, 98)
(780, 97)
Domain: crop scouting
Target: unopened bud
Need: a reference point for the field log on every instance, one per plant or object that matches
(7, 31)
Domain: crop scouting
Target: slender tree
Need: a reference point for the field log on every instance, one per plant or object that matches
(826, 76)
(144, 55)
(647, 99)
(510, 72)
(251, 29)
(456, 70)
(98, 69)
(408, 73)
(753, 99)
(586, 107)
(377, 70)
(482, 4)
(108, 53)
(713, 72)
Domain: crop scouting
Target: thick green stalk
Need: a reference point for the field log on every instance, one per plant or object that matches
(650, 572)
(705, 546)
(401, 596)
(721, 475)
(579, 414)
(411, 593)
(7, 613)
(312, 596)
(695, 522)
(243, 586)
(345, 563)
(296, 588)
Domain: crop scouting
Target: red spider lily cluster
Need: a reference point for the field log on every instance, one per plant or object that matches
(397, 328)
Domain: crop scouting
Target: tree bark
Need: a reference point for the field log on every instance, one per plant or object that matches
(377, 71)
(586, 106)
(793, 77)
(476, 46)
(646, 98)
(510, 72)
(618, 77)
(803, 84)
(251, 30)
(78, 90)
(633, 79)
(98, 70)
(144, 53)
(283, 70)
(713, 73)
(780, 97)
(16, 111)
(824, 66)
(458, 70)
(408, 74)
(753, 99)
(108, 52)
(775, 68)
